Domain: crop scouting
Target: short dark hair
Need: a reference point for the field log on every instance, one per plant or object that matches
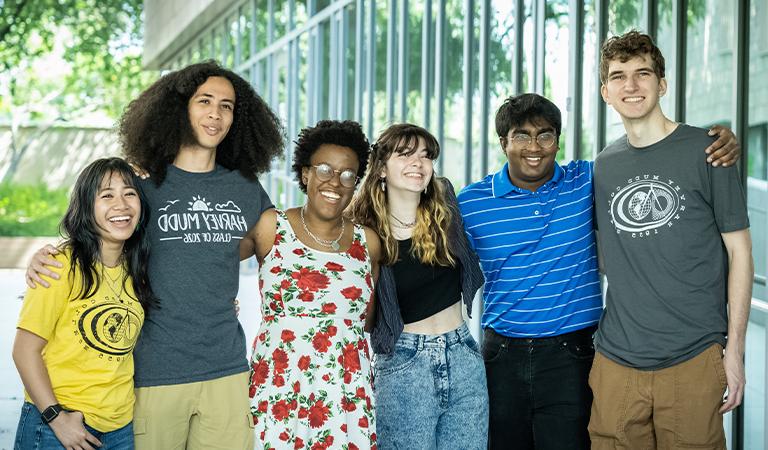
(519, 109)
(347, 133)
(156, 124)
(627, 46)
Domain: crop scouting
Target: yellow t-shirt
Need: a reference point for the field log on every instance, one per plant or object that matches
(89, 354)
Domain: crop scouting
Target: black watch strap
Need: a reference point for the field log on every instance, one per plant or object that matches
(51, 413)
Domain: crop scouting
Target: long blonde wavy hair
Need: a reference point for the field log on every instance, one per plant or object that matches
(433, 217)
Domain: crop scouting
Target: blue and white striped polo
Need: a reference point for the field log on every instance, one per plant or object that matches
(537, 251)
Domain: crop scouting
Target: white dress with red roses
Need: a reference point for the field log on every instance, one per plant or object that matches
(310, 367)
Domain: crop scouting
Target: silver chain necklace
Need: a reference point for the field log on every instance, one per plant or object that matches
(402, 224)
(333, 243)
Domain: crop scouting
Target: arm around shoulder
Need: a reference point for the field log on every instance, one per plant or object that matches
(261, 237)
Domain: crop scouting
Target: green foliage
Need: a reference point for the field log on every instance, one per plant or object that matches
(31, 210)
(64, 59)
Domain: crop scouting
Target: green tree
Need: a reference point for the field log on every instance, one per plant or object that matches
(67, 61)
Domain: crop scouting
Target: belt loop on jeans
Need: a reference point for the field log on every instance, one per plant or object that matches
(420, 342)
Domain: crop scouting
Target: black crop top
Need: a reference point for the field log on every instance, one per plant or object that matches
(423, 290)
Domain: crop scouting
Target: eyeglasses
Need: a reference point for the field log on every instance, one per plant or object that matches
(347, 178)
(545, 140)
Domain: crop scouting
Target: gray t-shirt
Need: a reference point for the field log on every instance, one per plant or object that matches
(660, 211)
(197, 221)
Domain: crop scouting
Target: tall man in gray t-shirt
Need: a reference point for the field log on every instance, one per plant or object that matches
(674, 237)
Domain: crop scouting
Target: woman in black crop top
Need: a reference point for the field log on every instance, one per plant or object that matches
(429, 384)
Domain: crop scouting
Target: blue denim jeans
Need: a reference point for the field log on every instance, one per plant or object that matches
(34, 434)
(539, 391)
(430, 393)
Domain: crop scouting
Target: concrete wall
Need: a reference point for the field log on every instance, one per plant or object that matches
(169, 25)
(55, 156)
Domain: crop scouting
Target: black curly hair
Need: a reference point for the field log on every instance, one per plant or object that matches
(155, 125)
(347, 133)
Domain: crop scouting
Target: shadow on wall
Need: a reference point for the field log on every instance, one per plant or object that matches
(52, 155)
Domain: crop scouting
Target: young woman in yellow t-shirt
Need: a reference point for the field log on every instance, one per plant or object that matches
(74, 341)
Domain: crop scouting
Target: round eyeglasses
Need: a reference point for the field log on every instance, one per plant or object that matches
(347, 178)
(545, 140)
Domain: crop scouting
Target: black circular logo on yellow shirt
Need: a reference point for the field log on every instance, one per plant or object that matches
(110, 328)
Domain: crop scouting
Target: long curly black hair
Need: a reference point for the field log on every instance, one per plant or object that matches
(155, 125)
(347, 133)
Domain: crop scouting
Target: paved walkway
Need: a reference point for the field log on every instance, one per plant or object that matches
(12, 391)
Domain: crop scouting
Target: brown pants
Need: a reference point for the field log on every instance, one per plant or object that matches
(672, 408)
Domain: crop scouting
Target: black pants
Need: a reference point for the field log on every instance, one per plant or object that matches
(538, 390)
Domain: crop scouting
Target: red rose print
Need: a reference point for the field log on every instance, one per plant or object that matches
(287, 336)
(280, 410)
(298, 251)
(333, 267)
(304, 363)
(348, 322)
(284, 436)
(278, 255)
(309, 279)
(306, 296)
(368, 280)
(263, 405)
(347, 377)
(277, 296)
(329, 440)
(318, 446)
(321, 342)
(356, 250)
(278, 238)
(260, 372)
(363, 422)
(318, 414)
(326, 377)
(275, 270)
(251, 390)
(296, 387)
(329, 308)
(278, 380)
(350, 358)
(255, 420)
(280, 360)
(347, 405)
(332, 330)
(343, 427)
(285, 284)
(298, 443)
(360, 393)
(352, 446)
(352, 292)
(303, 412)
(293, 404)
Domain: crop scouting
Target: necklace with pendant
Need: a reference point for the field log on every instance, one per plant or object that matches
(402, 224)
(113, 282)
(333, 243)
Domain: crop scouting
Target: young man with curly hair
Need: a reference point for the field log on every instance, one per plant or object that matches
(674, 236)
(202, 135)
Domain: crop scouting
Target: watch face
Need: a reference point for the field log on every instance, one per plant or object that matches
(50, 413)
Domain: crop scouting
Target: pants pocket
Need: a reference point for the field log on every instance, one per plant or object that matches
(139, 426)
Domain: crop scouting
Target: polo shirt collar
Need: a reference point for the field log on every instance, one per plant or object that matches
(502, 185)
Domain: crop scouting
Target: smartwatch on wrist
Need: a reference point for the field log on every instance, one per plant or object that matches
(51, 413)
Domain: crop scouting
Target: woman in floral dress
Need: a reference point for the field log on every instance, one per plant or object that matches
(310, 368)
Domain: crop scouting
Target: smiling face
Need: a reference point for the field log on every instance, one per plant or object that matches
(530, 165)
(633, 88)
(328, 199)
(211, 111)
(117, 210)
(408, 169)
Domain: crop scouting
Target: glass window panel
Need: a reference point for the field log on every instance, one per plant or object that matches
(260, 24)
(501, 49)
(231, 36)
(349, 56)
(246, 29)
(756, 390)
(665, 40)
(380, 64)
(455, 103)
(589, 101)
(414, 96)
(557, 63)
(281, 18)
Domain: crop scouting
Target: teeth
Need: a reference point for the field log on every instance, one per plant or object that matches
(119, 219)
(633, 99)
(533, 158)
(414, 175)
(332, 195)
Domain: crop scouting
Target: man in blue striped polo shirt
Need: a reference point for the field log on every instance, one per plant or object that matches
(531, 225)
